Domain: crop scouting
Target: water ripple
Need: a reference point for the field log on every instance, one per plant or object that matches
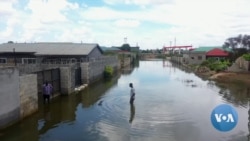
(114, 110)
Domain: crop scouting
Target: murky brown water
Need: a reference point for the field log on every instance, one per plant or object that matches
(171, 105)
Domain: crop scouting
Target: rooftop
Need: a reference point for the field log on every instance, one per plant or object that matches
(49, 48)
(209, 48)
(110, 49)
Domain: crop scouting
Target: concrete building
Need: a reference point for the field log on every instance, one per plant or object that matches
(24, 67)
(135, 49)
(125, 54)
(110, 50)
(54, 53)
(198, 55)
(65, 65)
(57, 63)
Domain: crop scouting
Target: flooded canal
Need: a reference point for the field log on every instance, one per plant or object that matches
(171, 104)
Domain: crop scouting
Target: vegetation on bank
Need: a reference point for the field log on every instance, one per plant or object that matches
(108, 72)
(216, 65)
(213, 69)
(246, 56)
(210, 67)
(160, 56)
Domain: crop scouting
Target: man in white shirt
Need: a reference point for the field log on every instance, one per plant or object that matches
(132, 93)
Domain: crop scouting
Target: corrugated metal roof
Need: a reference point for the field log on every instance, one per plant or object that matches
(110, 49)
(204, 49)
(217, 52)
(208, 48)
(50, 48)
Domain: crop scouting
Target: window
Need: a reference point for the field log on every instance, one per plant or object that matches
(28, 60)
(3, 60)
(73, 60)
(199, 57)
(64, 61)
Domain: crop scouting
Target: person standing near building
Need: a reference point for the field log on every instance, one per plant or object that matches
(132, 93)
(47, 92)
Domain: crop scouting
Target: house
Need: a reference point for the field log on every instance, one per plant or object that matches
(65, 65)
(198, 55)
(110, 50)
(135, 49)
(217, 53)
(36, 63)
(55, 53)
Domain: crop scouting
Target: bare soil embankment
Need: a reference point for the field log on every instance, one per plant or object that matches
(225, 77)
(232, 77)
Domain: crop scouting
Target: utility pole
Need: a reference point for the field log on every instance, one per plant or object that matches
(14, 52)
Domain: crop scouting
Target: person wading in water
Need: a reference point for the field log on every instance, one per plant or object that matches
(132, 93)
(47, 91)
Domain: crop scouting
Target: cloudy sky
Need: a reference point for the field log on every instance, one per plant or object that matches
(150, 23)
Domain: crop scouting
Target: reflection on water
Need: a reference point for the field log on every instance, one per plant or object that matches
(132, 112)
(248, 137)
(171, 104)
(234, 93)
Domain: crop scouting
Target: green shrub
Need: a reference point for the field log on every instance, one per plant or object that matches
(219, 66)
(108, 71)
(216, 65)
(246, 56)
(205, 63)
(211, 60)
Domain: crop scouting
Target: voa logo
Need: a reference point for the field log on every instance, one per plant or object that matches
(224, 117)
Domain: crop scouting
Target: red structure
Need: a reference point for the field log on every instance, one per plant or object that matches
(165, 48)
(217, 53)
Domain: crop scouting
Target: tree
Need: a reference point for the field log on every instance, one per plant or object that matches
(10, 42)
(246, 41)
(230, 43)
(241, 41)
(239, 45)
(125, 47)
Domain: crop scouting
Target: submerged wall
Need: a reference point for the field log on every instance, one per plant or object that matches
(93, 70)
(67, 79)
(19, 91)
(18, 96)
(28, 94)
(9, 96)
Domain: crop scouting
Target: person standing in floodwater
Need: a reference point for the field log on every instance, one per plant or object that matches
(132, 93)
(47, 91)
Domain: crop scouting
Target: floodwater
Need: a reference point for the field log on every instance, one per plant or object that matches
(171, 104)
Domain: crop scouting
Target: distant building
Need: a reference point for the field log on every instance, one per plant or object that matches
(135, 49)
(55, 53)
(198, 55)
(107, 50)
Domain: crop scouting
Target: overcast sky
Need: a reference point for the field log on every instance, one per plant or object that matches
(150, 23)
